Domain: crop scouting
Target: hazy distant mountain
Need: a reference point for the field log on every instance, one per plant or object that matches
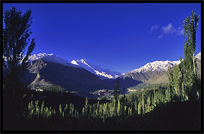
(102, 73)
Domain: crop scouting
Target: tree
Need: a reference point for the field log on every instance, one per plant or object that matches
(184, 80)
(139, 108)
(124, 92)
(177, 80)
(116, 90)
(17, 48)
(123, 100)
(190, 75)
(143, 103)
(118, 108)
(60, 110)
(148, 104)
(116, 94)
(16, 33)
(86, 107)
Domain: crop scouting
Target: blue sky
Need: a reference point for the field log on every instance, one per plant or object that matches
(116, 36)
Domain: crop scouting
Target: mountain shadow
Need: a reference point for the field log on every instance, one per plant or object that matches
(42, 74)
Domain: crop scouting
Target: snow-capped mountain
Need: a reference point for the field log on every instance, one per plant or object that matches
(50, 58)
(102, 73)
(38, 56)
(152, 72)
(198, 56)
(160, 65)
(156, 66)
(45, 72)
(155, 72)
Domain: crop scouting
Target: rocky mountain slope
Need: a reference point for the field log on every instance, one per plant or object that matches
(50, 70)
(150, 71)
(102, 73)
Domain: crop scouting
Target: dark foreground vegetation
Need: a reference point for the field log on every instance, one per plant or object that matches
(65, 111)
(173, 116)
(169, 116)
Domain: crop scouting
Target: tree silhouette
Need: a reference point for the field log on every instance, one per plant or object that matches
(16, 32)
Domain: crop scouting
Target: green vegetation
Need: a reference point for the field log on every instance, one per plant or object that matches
(133, 108)
(145, 86)
(183, 78)
(54, 89)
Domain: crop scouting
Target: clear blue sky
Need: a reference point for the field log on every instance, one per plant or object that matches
(116, 36)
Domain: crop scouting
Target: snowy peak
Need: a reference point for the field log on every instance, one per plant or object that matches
(74, 62)
(198, 56)
(160, 65)
(102, 73)
(156, 66)
(38, 56)
(82, 63)
(50, 58)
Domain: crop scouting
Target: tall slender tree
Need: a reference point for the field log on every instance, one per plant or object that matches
(17, 48)
(116, 94)
(190, 76)
(184, 78)
(16, 33)
(116, 90)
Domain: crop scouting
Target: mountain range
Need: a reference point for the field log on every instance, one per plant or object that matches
(45, 70)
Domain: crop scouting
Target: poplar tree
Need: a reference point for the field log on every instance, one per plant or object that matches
(124, 92)
(118, 108)
(86, 106)
(148, 103)
(143, 103)
(177, 80)
(139, 108)
(190, 76)
(17, 47)
(116, 90)
(184, 78)
(60, 110)
(16, 33)
(116, 94)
